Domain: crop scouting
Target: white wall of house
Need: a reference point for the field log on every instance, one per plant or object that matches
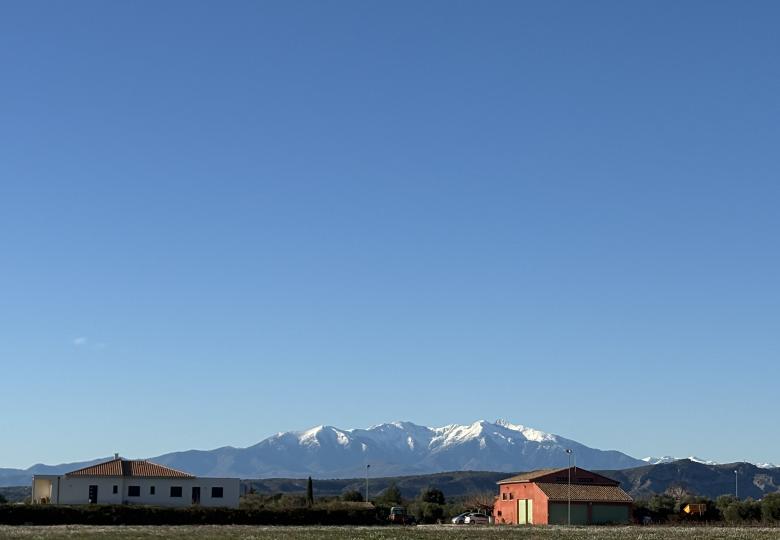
(151, 491)
(44, 488)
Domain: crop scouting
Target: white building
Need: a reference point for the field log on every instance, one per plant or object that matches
(124, 481)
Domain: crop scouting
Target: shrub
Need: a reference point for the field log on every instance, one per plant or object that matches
(352, 496)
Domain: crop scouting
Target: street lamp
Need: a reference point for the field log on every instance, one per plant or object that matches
(569, 452)
(368, 466)
(736, 484)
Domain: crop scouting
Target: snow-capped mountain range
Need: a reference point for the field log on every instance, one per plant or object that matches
(391, 449)
(670, 459)
(398, 448)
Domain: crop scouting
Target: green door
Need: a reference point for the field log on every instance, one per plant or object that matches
(610, 514)
(559, 514)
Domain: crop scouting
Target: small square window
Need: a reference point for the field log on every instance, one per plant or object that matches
(116, 489)
(133, 491)
(151, 490)
(175, 491)
(216, 493)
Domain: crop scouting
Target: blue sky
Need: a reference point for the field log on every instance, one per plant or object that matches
(223, 220)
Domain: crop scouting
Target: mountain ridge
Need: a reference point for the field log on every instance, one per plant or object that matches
(391, 449)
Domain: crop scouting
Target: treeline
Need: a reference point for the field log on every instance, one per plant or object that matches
(428, 506)
(726, 508)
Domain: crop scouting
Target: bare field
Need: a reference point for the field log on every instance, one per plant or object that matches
(387, 533)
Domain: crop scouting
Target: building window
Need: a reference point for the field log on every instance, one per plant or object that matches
(503, 496)
(216, 493)
(175, 491)
(511, 495)
(499, 513)
(133, 491)
(116, 489)
(151, 490)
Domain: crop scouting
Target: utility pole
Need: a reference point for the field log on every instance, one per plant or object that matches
(736, 484)
(569, 452)
(368, 466)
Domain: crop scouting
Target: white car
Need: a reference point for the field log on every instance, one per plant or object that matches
(476, 519)
(460, 518)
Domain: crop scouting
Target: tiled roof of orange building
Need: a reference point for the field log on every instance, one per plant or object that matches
(130, 467)
(530, 476)
(580, 492)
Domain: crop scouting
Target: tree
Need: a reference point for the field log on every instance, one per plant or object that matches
(740, 511)
(432, 495)
(427, 512)
(391, 495)
(3, 500)
(352, 496)
(480, 501)
(723, 502)
(663, 505)
(309, 492)
(770, 508)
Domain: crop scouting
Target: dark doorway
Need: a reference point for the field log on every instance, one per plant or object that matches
(93, 494)
(196, 495)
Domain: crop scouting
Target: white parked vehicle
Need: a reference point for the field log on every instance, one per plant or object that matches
(460, 518)
(476, 518)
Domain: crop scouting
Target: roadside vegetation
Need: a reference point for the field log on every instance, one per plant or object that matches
(427, 532)
(430, 506)
(727, 509)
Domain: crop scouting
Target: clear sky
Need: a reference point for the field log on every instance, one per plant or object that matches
(220, 220)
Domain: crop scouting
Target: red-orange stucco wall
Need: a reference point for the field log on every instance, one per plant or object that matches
(505, 509)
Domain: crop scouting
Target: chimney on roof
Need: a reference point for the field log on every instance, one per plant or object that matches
(116, 455)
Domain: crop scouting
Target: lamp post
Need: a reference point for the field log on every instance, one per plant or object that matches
(368, 466)
(736, 484)
(569, 452)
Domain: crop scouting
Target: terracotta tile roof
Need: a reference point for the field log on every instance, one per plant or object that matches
(581, 492)
(531, 475)
(128, 467)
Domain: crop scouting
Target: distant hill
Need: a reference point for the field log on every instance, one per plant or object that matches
(698, 478)
(16, 493)
(683, 476)
(452, 484)
(640, 482)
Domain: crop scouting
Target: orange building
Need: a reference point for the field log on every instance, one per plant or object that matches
(542, 497)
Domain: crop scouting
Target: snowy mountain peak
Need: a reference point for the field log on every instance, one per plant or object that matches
(671, 459)
(402, 447)
(530, 434)
(309, 437)
(652, 460)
